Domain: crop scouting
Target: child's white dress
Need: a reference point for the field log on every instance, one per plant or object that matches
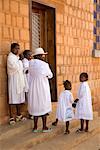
(84, 105)
(64, 108)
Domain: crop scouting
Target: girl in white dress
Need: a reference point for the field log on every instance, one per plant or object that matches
(64, 109)
(84, 110)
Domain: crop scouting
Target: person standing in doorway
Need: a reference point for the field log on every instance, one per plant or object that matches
(39, 90)
(27, 57)
(16, 83)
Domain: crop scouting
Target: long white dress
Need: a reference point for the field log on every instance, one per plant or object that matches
(39, 89)
(64, 108)
(84, 105)
(16, 82)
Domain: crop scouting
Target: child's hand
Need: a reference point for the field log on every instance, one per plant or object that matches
(74, 105)
(76, 100)
(26, 72)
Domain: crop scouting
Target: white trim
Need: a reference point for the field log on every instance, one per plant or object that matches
(44, 3)
(96, 53)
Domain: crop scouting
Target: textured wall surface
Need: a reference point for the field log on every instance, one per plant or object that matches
(74, 43)
(14, 27)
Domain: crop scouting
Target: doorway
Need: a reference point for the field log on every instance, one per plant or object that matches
(43, 35)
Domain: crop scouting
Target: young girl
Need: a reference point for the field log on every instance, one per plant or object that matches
(64, 109)
(27, 57)
(84, 105)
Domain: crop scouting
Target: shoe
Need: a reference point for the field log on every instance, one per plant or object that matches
(79, 131)
(47, 130)
(20, 118)
(12, 121)
(31, 117)
(36, 131)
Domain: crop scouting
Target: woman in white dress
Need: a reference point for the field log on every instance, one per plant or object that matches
(16, 82)
(84, 110)
(39, 91)
(64, 109)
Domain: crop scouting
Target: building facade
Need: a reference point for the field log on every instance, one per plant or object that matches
(64, 28)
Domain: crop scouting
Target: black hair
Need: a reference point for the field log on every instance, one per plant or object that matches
(25, 53)
(13, 45)
(21, 56)
(67, 85)
(84, 74)
(39, 56)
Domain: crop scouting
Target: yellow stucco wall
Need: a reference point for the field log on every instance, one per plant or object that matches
(74, 43)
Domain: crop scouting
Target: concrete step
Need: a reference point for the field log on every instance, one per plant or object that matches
(73, 140)
(7, 131)
(93, 143)
(27, 139)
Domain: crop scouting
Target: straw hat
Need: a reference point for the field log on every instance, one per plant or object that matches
(39, 51)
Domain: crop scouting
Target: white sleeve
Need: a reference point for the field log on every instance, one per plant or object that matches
(49, 73)
(46, 71)
(71, 98)
(25, 64)
(81, 91)
(13, 65)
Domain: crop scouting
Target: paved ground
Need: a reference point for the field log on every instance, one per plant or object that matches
(63, 142)
(20, 136)
(92, 144)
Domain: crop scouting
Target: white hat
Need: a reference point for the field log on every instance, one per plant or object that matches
(38, 51)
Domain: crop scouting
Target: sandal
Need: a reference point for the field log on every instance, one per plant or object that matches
(36, 131)
(31, 117)
(20, 118)
(79, 131)
(67, 132)
(47, 130)
(54, 123)
(12, 121)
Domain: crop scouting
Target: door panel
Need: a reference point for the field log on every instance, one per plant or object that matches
(52, 50)
(43, 35)
(38, 28)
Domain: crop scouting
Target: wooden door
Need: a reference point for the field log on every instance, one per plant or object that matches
(43, 35)
(51, 47)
